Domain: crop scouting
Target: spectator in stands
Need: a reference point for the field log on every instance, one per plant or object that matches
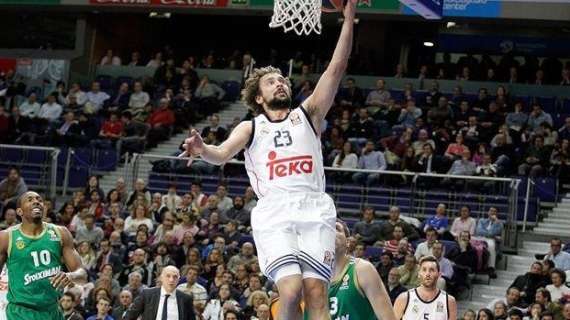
(387, 229)
(423, 138)
(398, 246)
(95, 99)
(369, 160)
(225, 203)
(214, 127)
(93, 185)
(161, 122)
(537, 117)
(361, 128)
(193, 288)
(461, 117)
(138, 100)
(379, 97)
(215, 308)
(11, 188)
(564, 131)
(30, 108)
(110, 60)
(89, 232)
(393, 284)
(385, 264)
(209, 94)
(351, 96)
(51, 110)
(486, 169)
(125, 301)
(367, 230)
(485, 314)
(171, 200)
(438, 115)
(10, 218)
(140, 191)
(516, 314)
(409, 114)
(490, 230)
(511, 301)
(460, 167)
(535, 159)
(543, 297)
(428, 162)
(426, 248)
(139, 215)
(560, 258)
(120, 101)
(345, 159)
(156, 61)
(69, 133)
(67, 304)
(246, 256)
(439, 221)
(75, 95)
(409, 272)
(237, 212)
(558, 289)
(110, 133)
(463, 223)
(445, 266)
(530, 282)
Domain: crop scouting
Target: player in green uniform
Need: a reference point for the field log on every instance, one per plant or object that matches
(36, 253)
(356, 291)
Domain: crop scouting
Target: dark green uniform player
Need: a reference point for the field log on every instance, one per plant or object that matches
(36, 254)
(32, 261)
(356, 291)
(346, 299)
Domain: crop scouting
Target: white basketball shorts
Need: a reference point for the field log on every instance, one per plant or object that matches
(295, 234)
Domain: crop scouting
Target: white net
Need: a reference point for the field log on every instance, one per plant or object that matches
(301, 16)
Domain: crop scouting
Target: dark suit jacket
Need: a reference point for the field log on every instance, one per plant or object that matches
(146, 305)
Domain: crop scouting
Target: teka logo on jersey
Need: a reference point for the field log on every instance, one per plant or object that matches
(288, 166)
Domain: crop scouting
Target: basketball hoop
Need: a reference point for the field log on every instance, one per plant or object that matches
(301, 16)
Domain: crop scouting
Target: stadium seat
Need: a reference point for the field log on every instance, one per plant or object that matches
(232, 89)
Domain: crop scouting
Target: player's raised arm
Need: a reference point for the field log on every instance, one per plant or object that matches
(373, 288)
(319, 103)
(400, 305)
(71, 259)
(217, 155)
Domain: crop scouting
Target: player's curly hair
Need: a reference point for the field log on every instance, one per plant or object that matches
(251, 88)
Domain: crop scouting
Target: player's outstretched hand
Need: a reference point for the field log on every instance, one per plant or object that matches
(350, 9)
(193, 145)
(60, 280)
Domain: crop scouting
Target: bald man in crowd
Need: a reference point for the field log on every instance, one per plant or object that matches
(164, 302)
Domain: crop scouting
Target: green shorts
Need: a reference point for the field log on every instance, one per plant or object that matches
(19, 312)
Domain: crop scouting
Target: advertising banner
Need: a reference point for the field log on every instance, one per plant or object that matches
(502, 44)
(465, 8)
(163, 3)
(429, 9)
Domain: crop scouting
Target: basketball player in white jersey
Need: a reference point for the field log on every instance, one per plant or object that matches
(294, 220)
(426, 302)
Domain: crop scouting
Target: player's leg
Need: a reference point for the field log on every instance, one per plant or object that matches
(290, 293)
(316, 298)
(316, 254)
(277, 246)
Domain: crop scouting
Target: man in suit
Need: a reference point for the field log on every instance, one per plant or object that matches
(164, 302)
(428, 162)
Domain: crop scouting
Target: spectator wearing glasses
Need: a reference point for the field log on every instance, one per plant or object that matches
(560, 258)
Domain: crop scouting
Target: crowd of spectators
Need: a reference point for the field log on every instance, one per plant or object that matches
(491, 135)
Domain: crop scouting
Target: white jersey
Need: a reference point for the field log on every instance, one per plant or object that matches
(418, 309)
(285, 156)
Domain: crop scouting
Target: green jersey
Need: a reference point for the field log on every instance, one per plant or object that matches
(32, 261)
(346, 299)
